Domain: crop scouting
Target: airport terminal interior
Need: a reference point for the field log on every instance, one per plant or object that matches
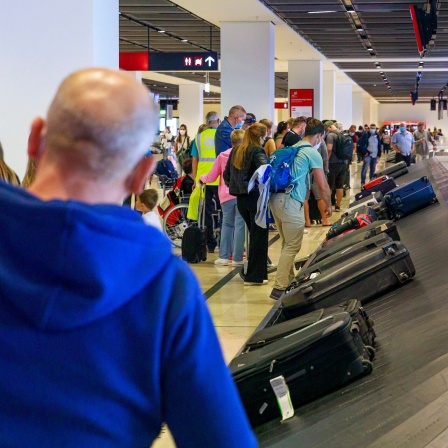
(357, 62)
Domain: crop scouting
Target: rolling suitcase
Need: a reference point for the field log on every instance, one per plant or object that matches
(374, 182)
(377, 270)
(410, 197)
(348, 223)
(384, 187)
(395, 170)
(343, 241)
(311, 361)
(374, 198)
(194, 239)
(362, 209)
(289, 320)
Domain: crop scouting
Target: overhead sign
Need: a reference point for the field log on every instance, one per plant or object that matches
(301, 102)
(282, 105)
(183, 61)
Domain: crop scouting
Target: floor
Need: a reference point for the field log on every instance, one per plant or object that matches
(236, 309)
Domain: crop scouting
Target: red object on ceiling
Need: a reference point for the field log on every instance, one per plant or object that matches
(136, 61)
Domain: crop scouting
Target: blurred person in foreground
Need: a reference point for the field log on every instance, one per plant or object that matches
(105, 334)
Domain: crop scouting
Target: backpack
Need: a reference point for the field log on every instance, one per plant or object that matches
(344, 146)
(184, 154)
(281, 162)
(166, 168)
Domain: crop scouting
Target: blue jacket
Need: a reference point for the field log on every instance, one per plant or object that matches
(363, 143)
(222, 137)
(105, 334)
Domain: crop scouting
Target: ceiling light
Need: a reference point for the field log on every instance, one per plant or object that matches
(350, 9)
(184, 40)
(360, 29)
(161, 31)
(381, 73)
(320, 12)
(374, 85)
(369, 49)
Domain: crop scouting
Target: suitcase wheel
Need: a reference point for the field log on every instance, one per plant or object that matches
(371, 352)
(403, 277)
(398, 216)
(368, 366)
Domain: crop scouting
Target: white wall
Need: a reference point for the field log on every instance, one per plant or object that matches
(344, 103)
(41, 42)
(406, 112)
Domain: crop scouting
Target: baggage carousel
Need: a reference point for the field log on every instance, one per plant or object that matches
(404, 402)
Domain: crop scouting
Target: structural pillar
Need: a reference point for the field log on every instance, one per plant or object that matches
(247, 67)
(308, 75)
(366, 110)
(357, 115)
(344, 100)
(191, 106)
(329, 95)
(40, 44)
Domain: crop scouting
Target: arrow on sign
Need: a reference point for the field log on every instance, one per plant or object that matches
(209, 60)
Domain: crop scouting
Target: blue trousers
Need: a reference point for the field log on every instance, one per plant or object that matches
(232, 232)
(368, 162)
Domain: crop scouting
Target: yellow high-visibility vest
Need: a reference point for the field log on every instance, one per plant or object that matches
(205, 144)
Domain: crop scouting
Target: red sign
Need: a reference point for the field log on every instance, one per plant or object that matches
(301, 102)
(282, 105)
(137, 61)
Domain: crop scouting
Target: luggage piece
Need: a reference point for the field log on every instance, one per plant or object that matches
(384, 187)
(410, 197)
(364, 209)
(348, 223)
(194, 239)
(391, 170)
(313, 361)
(374, 198)
(374, 182)
(363, 278)
(287, 321)
(343, 241)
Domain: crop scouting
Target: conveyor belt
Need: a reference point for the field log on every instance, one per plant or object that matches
(404, 402)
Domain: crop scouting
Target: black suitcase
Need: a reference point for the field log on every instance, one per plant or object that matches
(410, 197)
(312, 361)
(376, 271)
(289, 320)
(361, 217)
(363, 209)
(384, 187)
(337, 244)
(374, 198)
(395, 170)
(194, 239)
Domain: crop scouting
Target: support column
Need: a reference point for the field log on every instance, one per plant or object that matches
(357, 110)
(40, 44)
(366, 110)
(191, 106)
(329, 95)
(344, 111)
(307, 75)
(247, 67)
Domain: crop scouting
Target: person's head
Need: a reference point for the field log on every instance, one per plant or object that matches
(329, 126)
(202, 128)
(212, 119)
(339, 126)
(268, 123)
(183, 131)
(97, 132)
(6, 173)
(282, 128)
(360, 128)
(250, 120)
(352, 130)
(253, 136)
(298, 125)
(30, 173)
(403, 127)
(420, 125)
(366, 127)
(314, 132)
(147, 200)
(167, 130)
(290, 122)
(237, 115)
(372, 129)
(187, 166)
(236, 137)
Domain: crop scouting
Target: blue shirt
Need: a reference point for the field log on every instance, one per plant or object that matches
(222, 136)
(306, 160)
(373, 145)
(403, 141)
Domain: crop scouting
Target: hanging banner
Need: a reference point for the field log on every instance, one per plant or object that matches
(301, 102)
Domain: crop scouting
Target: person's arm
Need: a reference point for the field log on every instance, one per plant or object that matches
(412, 144)
(329, 143)
(214, 173)
(269, 147)
(194, 158)
(433, 142)
(394, 144)
(278, 143)
(226, 174)
(196, 384)
(324, 190)
(259, 157)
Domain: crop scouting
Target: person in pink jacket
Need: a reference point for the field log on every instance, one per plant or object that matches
(233, 227)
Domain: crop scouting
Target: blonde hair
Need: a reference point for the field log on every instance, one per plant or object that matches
(6, 173)
(251, 137)
(30, 173)
(236, 137)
